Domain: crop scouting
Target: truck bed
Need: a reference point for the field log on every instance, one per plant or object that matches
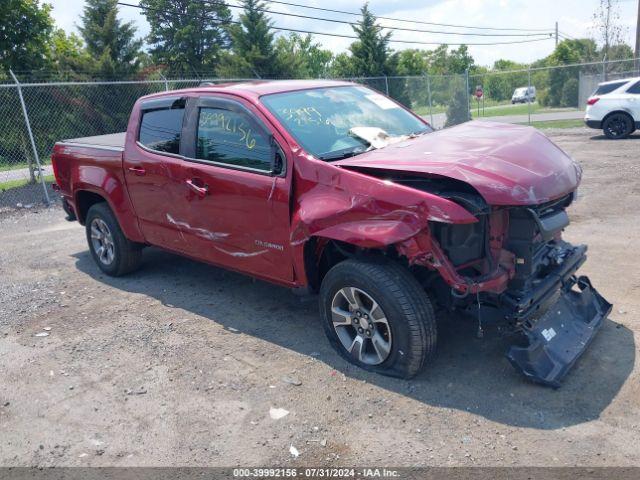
(113, 141)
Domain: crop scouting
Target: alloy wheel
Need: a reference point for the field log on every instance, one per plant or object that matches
(361, 325)
(102, 241)
(617, 126)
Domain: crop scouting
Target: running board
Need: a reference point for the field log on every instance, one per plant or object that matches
(561, 334)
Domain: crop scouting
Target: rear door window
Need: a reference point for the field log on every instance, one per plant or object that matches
(160, 129)
(635, 89)
(608, 88)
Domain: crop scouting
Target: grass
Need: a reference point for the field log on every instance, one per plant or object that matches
(494, 110)
(557, 124)
(424, 110)
(517, 109)
(502, 110)
(11, 184)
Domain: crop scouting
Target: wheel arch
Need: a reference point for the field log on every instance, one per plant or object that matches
(322, 253)
(617, 111)
(85, 198)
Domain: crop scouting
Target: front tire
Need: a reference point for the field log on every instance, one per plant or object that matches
(114, 254)
(378, 317)
(618, 126)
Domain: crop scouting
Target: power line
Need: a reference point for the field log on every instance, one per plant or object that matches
(344, 22)
(409, 21)
(562, 34)
(296, 30)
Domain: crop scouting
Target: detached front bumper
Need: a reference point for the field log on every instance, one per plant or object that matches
(562, 334)
(558, 319)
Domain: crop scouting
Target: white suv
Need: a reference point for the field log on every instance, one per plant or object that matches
(615, 108)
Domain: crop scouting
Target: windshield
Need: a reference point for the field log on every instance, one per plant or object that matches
(321, 119)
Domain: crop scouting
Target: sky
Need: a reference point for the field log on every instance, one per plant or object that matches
(573, 16)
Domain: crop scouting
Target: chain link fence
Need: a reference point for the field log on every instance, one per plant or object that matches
(49, 111)
(557, 93)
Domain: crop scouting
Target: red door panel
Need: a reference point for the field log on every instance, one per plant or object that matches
(242, 222)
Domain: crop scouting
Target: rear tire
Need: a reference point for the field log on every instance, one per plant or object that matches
(398, 336)
(114, 254)
(618, 126)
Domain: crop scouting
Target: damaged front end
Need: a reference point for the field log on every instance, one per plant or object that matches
(513, 264)
(557, 312)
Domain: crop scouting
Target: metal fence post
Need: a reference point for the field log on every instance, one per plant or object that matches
(33, 142)
(529, 93)
(466, 74)
(386, 84)
(166, 83)
(429, 95)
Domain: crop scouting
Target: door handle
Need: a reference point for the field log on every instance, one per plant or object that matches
(202, 191)
(137, 171)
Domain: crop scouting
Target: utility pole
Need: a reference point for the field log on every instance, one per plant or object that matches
(637, 55)
(557, 32)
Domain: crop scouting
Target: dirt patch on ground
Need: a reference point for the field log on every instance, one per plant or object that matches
(180, 363)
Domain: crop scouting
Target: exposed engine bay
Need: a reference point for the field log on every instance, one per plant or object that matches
(555, 312)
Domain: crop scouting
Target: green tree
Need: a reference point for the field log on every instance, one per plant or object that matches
(370, 56)
(570, 92)
(412, 62)
(253, 52)
(109, 41)
(566, 53)
(342, 66)
(437, 60)
(69, 57)
(299, 57)
(621, 51)
(188, 36)
(25, 30)
(370, 53)
(500, 86)
(458, 109)
(442, 61)
(460, 60)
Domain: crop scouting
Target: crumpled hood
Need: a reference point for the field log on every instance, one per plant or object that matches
(507, 164)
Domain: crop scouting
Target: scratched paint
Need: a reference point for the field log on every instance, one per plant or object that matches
(200, 232)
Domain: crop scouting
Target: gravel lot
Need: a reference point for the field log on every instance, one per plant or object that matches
(180, 363)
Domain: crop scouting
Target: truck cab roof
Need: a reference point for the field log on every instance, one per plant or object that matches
(255, 89)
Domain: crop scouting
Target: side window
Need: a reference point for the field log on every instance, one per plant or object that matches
(608, 88)
(160, 129)
(225, 136)
(635, 89)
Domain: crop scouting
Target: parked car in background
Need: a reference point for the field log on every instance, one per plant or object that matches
(615, 108)
(524, 95)
(333, 188)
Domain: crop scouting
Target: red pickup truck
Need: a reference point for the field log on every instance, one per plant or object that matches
(333, 188)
